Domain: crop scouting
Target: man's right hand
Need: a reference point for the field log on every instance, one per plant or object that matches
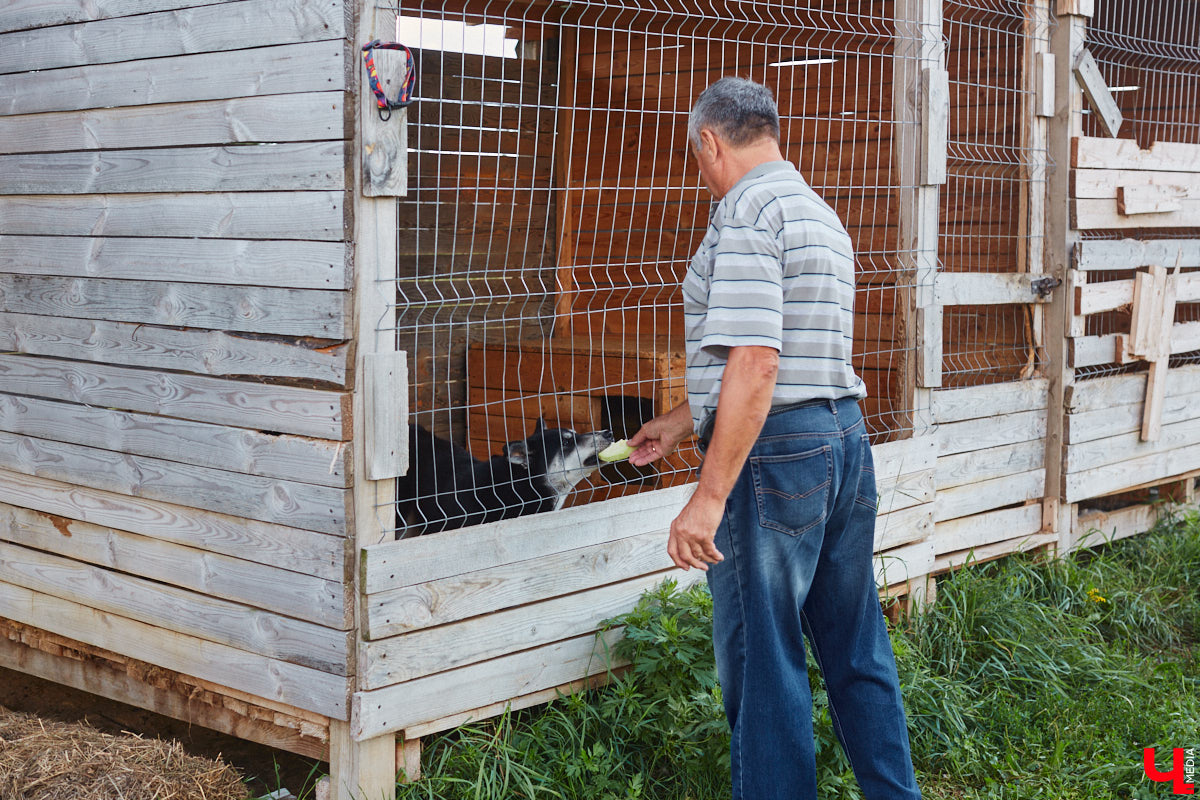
(660, 436)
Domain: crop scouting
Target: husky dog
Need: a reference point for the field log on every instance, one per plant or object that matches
(446, 487)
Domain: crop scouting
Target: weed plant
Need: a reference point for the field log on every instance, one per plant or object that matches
(1026, 679)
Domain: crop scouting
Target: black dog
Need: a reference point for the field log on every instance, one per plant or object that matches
(446, 487)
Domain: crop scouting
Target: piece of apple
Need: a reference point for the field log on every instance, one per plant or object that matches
(617, 451)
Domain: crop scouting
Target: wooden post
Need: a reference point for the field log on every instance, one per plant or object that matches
(1066, 43)
(366, 770)
(1038, 105)
(408, 757)
(564, 144)
(920, 106)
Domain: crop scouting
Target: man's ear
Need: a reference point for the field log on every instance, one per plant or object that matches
(709, 143)
(517, 453)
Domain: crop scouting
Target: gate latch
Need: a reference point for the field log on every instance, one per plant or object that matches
(1042, 287)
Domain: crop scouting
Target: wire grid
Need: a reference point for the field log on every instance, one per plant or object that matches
(553, 208)
(988, 177)
(1149, 55)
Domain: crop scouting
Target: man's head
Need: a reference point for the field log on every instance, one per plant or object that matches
(733, 127)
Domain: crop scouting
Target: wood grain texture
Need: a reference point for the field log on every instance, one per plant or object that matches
(986, 495)
(971, 466)
(312, 67)
(987, 552)
(126, 683)
(409, 562)
(268, 407)
(200, 29)
(286, 549)
(1089, 152)
(1001, 429)
(297, 505)
(270, 678)
(309, 116)
(286, 312)
(1114, 449)
(249, 215)
(396, 707)
(969, 289)
(261, 167)
(239, 262)
(1104, 254)
(1114, 390)
(460, 597)
(191, 613)
(975, 402)
(903, 563)
(20, 14)
(253, 585)
(186, 350)
(239, 450)
(987, 528)
(1104, 106)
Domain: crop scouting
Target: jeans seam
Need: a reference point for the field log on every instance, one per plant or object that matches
(741, 647)
(833, 715)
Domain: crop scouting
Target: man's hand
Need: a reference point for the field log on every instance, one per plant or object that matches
(660, 436)
(693, 531)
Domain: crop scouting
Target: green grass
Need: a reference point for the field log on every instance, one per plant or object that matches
(1026, 679)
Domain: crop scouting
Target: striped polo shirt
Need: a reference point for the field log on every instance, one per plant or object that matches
(776, 269)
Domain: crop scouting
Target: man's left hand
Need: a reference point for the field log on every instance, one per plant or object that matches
(693, 531)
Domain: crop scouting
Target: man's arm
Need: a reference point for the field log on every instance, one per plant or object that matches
(747, 385)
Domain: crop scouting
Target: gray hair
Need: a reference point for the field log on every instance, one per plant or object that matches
(738, 110)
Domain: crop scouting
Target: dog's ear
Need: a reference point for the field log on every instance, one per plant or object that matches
(517, 453)
(541, 425)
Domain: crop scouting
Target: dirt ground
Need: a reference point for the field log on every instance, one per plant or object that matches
(265, 768)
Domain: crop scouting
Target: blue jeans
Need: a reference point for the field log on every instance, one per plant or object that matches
(797, 537)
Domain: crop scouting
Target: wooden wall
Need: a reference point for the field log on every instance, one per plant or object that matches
(175, 320)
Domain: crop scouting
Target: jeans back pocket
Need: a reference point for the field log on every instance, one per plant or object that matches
(792, 490)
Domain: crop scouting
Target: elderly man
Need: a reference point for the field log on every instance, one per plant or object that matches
(785, 506)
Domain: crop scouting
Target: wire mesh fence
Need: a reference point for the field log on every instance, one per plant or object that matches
(553, 209)
(1149, 55)
(983, 221)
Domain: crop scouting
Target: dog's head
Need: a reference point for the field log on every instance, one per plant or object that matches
(559, 455)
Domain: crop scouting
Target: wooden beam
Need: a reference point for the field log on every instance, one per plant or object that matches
(20, 14)
(963, 288)
(1111, 254)
(201, 29)
(1089, 152)
(986, 495)
(935, 106)
(385, 388)
(977, 402)
(987, 528)
(1098, 95)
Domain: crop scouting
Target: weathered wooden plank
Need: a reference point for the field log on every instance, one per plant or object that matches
(251, 215)
(935, 103)
(280, 409)
(483, 591)
(20, 14)
(1093, 527)
(125, 684)
(264, 677)
(1109, 254)
(906, 490)
(1104, 106)
(1116, 446)
(982, 288)
(995, 462)
(974, 402)
(1099, 394)
(1111, 183)
(264, 167)
(217, 620)
(982, 496)
(321, 602)
(1000, 429)
(205, 352)
(903, 563)
(1088, 152)
(409, 562)
(384, 144)
(1129, 473)
(987, 528)
(904, 526)
(297, 505)
(385, 380)
(310, 67)
(1088, 426)
(249, 452)
(304, 117)
(1093, 298)
(396, 707)
(285, 312)
(202, 29)
(288, 549)
(280, 264)
(977, 555)
(1092, 351)
(424, 652)
(1093, 214)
